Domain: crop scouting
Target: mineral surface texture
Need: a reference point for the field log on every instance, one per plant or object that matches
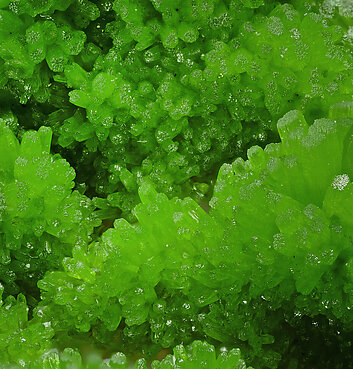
(176, 184)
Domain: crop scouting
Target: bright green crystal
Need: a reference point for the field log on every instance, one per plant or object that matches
(265, 257)
(121, 246)
(223, 70)
(168, 90)
(41, 217)
(21, 341)
(196, 356)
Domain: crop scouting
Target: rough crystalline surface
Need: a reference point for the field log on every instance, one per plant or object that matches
(176, 184)
(168, 90)
(264, 258)
(41, 217)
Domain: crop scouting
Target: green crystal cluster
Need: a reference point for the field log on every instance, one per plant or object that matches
(172, 100)
(168, 90)
(41, 217)
(176, 184)
(225, 274)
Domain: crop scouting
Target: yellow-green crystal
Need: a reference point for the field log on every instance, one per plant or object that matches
(176, 184)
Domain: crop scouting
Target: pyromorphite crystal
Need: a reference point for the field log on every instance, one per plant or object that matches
(196, 356)
(21, 341)
(219, 75)
(41, 217)
(211, 77)
(120, 245)
(266, 257)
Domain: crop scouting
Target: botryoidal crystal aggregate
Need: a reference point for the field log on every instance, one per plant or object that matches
(176, 184)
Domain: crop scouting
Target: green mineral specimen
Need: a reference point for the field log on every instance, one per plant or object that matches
(265, 257)
(176, 184)
(201, 355)
(21, 341)
(41, 217)
(218, 82)
(169, 90)
(196, 356)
